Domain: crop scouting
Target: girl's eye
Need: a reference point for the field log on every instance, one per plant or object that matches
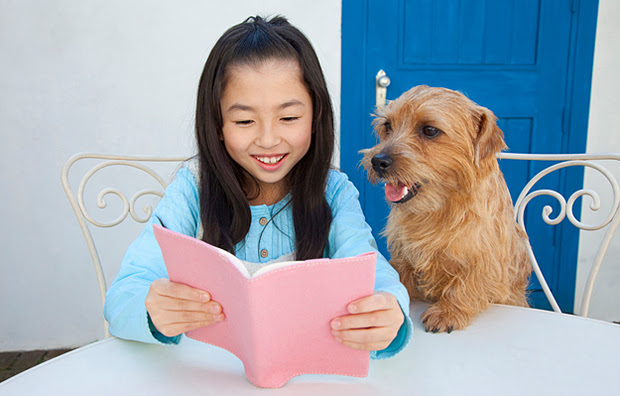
(243, 122)
(289, 119)
(431, 132)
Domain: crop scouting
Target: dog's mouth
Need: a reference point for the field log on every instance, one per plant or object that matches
(401, 193)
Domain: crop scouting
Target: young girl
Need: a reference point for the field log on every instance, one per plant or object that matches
(261, 189)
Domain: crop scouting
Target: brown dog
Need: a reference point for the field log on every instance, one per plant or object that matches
(451, 230)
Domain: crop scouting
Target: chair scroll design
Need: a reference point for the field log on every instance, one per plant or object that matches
(129, 204)
(566, 210)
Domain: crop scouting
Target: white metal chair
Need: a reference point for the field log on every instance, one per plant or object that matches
(95, 164)
(609, 223)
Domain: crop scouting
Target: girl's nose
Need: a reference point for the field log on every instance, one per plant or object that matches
(268, 137)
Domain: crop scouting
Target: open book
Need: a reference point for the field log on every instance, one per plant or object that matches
(277, 320)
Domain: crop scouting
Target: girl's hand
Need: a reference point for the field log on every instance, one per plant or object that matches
(372, 324)
(176, 308)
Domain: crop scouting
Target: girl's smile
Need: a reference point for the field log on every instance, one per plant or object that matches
(270, 163)
(267, 123)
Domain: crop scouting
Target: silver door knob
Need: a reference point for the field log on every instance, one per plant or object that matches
(382, 82)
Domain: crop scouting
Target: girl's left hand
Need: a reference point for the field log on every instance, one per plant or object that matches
(372, 324)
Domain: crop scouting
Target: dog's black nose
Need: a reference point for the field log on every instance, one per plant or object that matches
(381, 163)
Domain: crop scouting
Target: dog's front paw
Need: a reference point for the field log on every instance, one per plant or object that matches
(438, 319)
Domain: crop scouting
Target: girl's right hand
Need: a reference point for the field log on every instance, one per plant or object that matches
(175, 308)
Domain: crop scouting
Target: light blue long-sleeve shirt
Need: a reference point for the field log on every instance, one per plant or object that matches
(179, 210)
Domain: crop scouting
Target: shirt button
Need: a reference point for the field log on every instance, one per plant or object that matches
(262, 221)
(264, 253)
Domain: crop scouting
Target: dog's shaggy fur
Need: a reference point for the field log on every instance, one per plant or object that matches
(451, 230)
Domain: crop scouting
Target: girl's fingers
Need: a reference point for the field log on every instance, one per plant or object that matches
(366, 347)
(378, 310)
(175, 329)
(165, 287)
(171, 317)
(375, 302)
(172, 323)
(173, 304)
(170, 296)
(362, 321)
(176, 308)
(171, 311)
(365, 339)
(376, 334)
(372, 324)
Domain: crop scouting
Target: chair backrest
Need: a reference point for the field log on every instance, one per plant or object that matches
(609, 222)
(94, 164)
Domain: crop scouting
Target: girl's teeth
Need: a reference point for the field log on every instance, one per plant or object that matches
(269, 160)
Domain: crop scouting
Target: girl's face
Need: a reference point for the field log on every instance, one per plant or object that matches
(267, 123)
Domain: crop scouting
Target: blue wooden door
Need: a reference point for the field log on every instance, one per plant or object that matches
(523, 59)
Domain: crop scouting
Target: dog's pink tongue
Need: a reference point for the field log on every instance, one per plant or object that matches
(394, 193)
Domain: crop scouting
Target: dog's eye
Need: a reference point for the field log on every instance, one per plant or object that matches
(430, 131)
(388, 127)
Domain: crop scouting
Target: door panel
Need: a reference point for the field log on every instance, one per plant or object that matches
(512, 56)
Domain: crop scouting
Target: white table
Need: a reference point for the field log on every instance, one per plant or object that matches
(506, 351)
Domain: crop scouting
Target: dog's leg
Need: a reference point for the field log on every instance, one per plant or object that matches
(519, 287)
(444, 316)
(518, 300)
(407, 277)
(455, 308)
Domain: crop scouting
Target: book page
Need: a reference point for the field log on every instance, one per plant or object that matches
(250, 269)
(280, 262)
(239, 264)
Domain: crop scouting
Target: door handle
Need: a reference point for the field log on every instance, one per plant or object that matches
(382, 82)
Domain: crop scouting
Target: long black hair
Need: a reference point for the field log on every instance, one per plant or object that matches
(224, 208)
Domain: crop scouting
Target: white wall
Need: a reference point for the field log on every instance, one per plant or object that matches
(113, 76)
(121, 76)
(603, 136)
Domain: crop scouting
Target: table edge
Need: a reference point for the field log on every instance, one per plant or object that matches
(57, 358)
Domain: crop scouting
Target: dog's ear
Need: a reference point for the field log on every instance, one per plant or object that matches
(490, 139)
(379, 119)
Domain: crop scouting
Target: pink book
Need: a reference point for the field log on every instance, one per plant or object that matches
(277, 319)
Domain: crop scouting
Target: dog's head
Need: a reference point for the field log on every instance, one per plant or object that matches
(433, 143)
